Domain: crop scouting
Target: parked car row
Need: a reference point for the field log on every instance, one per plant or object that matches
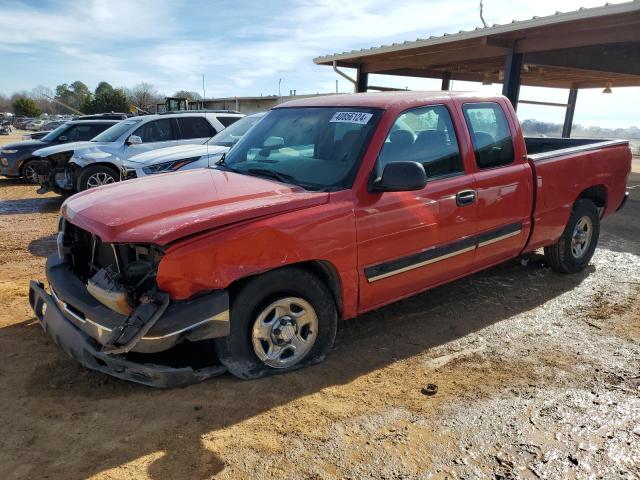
(92, 151)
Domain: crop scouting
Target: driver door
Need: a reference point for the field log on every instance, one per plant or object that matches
(411, 241)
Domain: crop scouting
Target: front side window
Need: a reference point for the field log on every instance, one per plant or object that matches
(195, 127)
(490, 134)
(156, 131)
(424, 135)
(81, 133)
(316, 148)
(55, 134)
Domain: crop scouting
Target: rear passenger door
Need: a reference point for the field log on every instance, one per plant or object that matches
(503, 183)
(194, 130)
(411, 241)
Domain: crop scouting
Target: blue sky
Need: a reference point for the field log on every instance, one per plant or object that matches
(245, 47)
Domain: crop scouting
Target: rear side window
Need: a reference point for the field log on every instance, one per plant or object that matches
(195, 127)
(492, 142)
(226, 121)
(156, 131)
(424, 135)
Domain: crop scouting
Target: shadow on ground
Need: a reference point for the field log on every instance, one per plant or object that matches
(30, 205)
(125, 421)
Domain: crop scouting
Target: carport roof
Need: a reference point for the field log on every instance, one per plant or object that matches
(585, 48)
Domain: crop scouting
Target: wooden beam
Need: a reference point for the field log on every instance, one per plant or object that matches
(568, 39)
(619, 58)
(452, 56)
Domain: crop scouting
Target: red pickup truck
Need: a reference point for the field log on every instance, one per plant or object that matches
(327, 208)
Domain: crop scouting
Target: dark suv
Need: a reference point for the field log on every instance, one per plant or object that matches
(16, 159)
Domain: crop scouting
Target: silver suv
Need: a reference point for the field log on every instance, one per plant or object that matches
(82, 165)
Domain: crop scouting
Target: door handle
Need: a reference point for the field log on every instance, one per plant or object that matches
(465, 197)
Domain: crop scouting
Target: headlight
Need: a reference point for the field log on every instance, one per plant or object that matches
(169, 166)
(4, 162)
(8, 152)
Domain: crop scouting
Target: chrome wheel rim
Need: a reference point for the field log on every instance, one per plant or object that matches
(100, 178)
(30, 174)
(284, 332)
(581, 238)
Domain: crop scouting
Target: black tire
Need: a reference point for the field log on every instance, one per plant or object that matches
(88, 174)
(236, 351)
(29, 171)
(560, 256)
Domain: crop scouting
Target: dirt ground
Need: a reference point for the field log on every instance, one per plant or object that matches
(538, 376)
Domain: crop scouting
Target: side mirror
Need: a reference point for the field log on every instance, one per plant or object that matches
(62, 138)
(134, 140)
(401, 177)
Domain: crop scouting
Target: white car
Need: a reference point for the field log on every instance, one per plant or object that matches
(186, 157)
(78, 166)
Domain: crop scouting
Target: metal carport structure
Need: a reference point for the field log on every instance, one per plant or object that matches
(587, 48)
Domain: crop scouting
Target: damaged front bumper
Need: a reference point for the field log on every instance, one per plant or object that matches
(82, 326)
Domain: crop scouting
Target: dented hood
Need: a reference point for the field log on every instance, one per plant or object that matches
(163, 208)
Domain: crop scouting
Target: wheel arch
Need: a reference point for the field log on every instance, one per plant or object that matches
(322, 269)
(110, 165)
(597, 194)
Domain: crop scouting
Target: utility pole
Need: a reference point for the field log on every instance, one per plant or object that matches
(204, 92)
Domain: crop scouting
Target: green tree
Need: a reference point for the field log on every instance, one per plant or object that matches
(74, 95)
(107, 100)
(26, 107)
(103, 88)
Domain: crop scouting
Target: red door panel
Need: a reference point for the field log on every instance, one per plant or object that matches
(409, 241)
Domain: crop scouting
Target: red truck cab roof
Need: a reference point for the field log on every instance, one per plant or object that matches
(386, 100)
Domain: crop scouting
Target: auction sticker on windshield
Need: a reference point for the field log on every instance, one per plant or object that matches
(352, 117)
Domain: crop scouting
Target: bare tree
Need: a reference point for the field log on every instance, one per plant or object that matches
(144, 96)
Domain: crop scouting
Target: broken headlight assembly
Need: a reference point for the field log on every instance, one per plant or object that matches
(116, 274)
(169, 166)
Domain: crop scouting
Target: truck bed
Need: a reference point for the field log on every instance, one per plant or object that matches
(541, 148)
(565, 169)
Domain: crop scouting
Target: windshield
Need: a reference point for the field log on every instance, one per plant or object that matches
(114, 133)
(54, 134)
(315, 148)
(230, 135)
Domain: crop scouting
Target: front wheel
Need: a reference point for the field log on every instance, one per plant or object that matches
(96, 176)
(30, 171)
(280, 321)
(574, 249)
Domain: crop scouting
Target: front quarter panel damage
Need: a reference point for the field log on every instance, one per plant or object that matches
(215, 260)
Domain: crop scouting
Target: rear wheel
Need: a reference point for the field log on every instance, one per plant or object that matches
(29, 171)
(280, 321)
(96, 176)
(574, 249)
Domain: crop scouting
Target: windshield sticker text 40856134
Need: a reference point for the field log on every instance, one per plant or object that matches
(352, 117)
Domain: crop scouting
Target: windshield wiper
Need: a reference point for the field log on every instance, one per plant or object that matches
(283, 177)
